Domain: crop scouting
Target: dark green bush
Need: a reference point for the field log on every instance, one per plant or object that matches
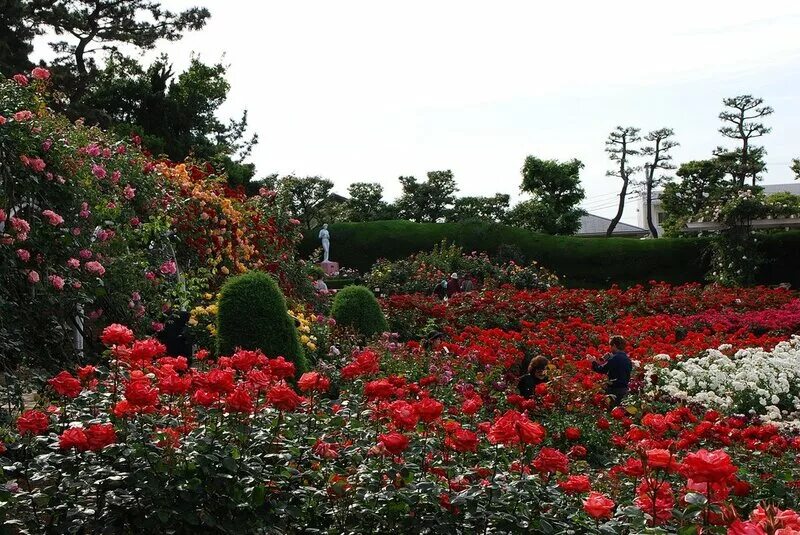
(579, 262)
(252, 315)
(356, 307)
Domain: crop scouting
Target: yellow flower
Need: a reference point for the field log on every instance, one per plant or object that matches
(193, 322)
(305, 339)
(312, 346)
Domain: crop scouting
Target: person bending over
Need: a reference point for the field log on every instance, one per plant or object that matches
(617, 366)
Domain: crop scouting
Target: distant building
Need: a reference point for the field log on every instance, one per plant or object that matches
(658, 211)
(595, 226)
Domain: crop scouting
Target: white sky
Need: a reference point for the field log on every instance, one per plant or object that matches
(371, 90)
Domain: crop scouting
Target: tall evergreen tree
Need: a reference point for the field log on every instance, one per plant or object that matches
(16, 34)
(742, 121)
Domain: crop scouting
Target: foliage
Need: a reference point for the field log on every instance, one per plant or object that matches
(365, 202)
(621, 147)
(490, 209)
(305, 198)
(15, 45)
(796, 168)
(422, 271)
(661, 143)
(742, 121)
(702, 184)
(428, 201)
(556, 191)
(252, 314)
(355, 307)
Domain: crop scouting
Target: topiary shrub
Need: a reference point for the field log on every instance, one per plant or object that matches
(252, 314)
(356, 307)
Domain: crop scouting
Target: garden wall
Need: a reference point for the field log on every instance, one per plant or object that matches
(580, 262)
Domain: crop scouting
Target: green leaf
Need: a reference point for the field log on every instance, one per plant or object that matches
(696, 499)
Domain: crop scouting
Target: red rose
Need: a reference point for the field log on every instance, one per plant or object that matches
(73, 438)
(659, 459)
(32, 421)
(281, 368)
(220, 381)
(144, 351)
(283, 398)
(99, 436)
(66, 385)
(705, 466)
(572, 433)
(603, 424)
(428, 409)
(462, 440)
(313, 382)
(551, 460)
(598, 506)
(140, 393)
(326, 450)
(395, 443)
(403, 415)
(378, 389)
(116, 334)
(471, 405)
(86, 373)
(530, 432)
(576, 484)
(239, 401)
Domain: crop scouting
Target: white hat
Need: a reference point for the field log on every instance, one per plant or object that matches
(454, 276)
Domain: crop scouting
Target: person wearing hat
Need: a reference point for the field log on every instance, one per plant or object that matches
(453, 285)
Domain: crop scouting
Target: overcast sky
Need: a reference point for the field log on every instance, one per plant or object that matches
(370, 90)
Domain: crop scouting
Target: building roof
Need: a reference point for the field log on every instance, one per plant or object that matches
(595, 225)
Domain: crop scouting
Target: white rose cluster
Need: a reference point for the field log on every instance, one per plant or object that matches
(753, 381)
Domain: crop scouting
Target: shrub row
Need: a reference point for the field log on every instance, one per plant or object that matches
(580, 262)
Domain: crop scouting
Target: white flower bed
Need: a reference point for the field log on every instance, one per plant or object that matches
(752, 381)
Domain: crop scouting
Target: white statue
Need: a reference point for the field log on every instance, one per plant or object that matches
(325, 236)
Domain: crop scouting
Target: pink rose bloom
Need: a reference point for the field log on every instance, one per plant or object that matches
(76, 231)
(294, 221)
(169, 268)
(92, 150)
(150, 276)
(53, 218)
(99, 171)
(3, 120)
(157, 326)
(129, 192)
(40, 73)
(77, 285)
(33, 277)
(46, 144)
(73, 263)
(20, 225)
(96, 268)
(2, 215)
(95, 314)
(23, 115)
(121, 150)
(106, 153)
(85, 254)
(56, 281)
(21, 79)
(136, 296)
(111, 205)
(85, 212)
(135, 222)
(115, 176)
(23, 255)
(37, 164)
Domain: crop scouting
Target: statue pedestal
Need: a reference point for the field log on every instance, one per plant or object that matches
(330, 268)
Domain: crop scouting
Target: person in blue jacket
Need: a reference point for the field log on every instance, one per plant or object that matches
(617, 366)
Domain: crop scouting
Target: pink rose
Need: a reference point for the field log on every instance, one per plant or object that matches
(23, 255)
(115, 176)
(53, 218)
(46, 144)
(73, 263)
(33, 277)
(23, 115)
(56, 281)
(129, 192)
(3, 120)
(169, 268)
(99, 171)
(21, 79)
(40, 73)
(86, 254)
(96, 268)
(20, 225)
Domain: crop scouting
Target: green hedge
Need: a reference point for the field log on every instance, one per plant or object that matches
(357, 308)
(580, 262)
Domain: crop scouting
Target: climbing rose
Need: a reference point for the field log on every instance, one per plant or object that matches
(53, 218)
(40, 73)
(95, 268)
(56, 281)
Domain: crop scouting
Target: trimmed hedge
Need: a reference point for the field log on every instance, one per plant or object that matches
(252, 314)
(579, 262)
(356, 307)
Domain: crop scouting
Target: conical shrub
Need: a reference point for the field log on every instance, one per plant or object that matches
(252, 314)
(356, 307)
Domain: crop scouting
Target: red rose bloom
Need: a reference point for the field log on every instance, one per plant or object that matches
(462, 440)
(220, 381)
(572, 433)
(530, 432)
(378, 389)
(73, 438)
(66, 385)
(144, 351)
(140, 393)
(99, 436)
(598, 506)
(576, 484)
(32, 421)
(403, 415)
(116, 334)
(429, 409)
(471, 405)
(281, 368)
(551, 460)
(395, 443)
(313, 382)
(239, 401)
(705, 466)
(283, 398)
(659, 459)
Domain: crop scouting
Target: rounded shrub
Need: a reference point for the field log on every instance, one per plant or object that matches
(252, 314)
(356, 307)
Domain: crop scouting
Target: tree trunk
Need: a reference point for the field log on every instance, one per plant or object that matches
(649, 197)
(621, 207)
